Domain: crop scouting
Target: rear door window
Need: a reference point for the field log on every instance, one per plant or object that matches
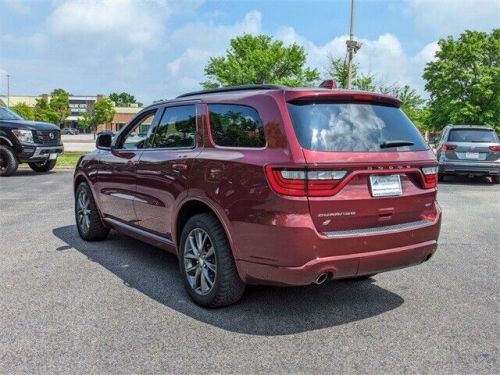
(177, 128)
(472, 135)
(236, 126)
(362, 127)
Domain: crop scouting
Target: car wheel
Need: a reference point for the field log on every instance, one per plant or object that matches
(88, 221)
(440, 177)
(495, 179)
(43, 166)
(8, 161)
(207, 263)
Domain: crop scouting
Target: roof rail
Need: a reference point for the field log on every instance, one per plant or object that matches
(232, 88)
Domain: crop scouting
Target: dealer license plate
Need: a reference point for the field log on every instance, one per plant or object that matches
(52, 156)
(472, 155)
(385, 185)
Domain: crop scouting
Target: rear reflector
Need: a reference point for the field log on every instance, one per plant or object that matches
(430, 177)
(304, 182)
(446, 147)
(494, 148)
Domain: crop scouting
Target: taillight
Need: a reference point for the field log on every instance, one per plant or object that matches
(430, 177)
(494, 148)
(304, 182)
(446, 147)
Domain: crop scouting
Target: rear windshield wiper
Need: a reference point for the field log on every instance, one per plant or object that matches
(388, 144)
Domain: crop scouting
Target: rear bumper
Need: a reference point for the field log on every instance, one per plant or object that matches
(344, 256)
(469, 168)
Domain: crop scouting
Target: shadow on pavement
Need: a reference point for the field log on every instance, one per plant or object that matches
(29, 172)
(263, 310)
(465, 180)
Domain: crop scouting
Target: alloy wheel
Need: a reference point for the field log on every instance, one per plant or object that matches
(200, 262)
(83, 211)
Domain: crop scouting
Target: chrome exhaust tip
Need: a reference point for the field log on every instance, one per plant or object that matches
(322, 277)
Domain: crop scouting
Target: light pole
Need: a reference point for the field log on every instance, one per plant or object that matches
(352, 47)
(8, 90)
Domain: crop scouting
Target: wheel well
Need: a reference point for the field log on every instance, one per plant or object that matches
(78, 181)
(188, 210)
(4, 142)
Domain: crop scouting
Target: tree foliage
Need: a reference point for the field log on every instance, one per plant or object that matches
(101, 112)
(59, 103)
(44, 112)
(338, 70)
(464, 80)
(122, 99)
(259, 59)
(24, 110)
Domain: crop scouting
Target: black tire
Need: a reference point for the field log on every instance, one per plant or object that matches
(94, 229)
(495, 179)
(43, 166)
(8, 161)
(227, 287)
(440, 177)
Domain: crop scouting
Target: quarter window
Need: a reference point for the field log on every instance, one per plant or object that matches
(177, 128)
(236, 126)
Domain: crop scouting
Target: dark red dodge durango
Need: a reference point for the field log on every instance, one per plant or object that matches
(266, 185)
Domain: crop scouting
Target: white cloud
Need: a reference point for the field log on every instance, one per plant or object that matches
(454, 16)
(36, 40)
(134, 21)
(16, 6)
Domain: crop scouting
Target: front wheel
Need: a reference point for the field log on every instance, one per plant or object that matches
(495, 179)
(8, 161)
(207, 263)
(88, 221)
(43, 166)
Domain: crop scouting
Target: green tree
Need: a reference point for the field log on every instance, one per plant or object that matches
(464, 80)
(44, 112)
(101, 112)
(24, 110)
(59, 102)
(123, 99)
(258, 59)
(338, 70)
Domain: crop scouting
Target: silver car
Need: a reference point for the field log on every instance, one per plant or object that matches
(471, 150)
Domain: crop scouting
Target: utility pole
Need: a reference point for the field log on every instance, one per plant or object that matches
(8, 90)
(352, 47)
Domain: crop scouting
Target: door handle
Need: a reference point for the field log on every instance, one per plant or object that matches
(132, 163)
(180, 166)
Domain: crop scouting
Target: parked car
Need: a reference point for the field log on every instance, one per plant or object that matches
(266, 185)
(23, 141)
(70, 131)
(471, 150)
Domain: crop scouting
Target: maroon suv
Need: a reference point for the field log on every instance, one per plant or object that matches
(266, 185)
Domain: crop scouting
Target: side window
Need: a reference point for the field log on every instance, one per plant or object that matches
(177, 128)
(236, 126)
(140, 134)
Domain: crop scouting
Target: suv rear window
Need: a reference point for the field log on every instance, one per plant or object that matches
(236, 126)
(472, 135)
(328, 126)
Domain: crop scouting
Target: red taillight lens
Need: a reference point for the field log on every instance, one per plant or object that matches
(494, 148)
(446, 147)
(430, 177)
(302, 182)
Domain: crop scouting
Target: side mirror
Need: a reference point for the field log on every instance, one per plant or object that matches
(103, 141)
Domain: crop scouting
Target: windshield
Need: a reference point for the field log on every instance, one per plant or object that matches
(472, 135)
(7, 114)
(334, 126)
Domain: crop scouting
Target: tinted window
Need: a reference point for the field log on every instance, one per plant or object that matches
(325, 126)
(140, 133)
(236, 126)
(472, 135)
(177, 128)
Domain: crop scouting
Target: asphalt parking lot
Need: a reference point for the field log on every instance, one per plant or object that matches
(67, 306)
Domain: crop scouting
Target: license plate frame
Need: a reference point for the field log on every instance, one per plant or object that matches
(386, 185)
(472, 155)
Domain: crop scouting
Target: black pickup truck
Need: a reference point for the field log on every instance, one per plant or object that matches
(22, 141)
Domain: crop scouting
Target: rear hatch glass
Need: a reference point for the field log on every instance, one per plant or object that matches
(358, 127)
(472, 135)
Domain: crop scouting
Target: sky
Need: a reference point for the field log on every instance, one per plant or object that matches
(157, 49)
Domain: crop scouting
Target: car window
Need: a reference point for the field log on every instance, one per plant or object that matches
(140, 134)
(236, 126)
(472, 135)
(333, 126)
(177, 128)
